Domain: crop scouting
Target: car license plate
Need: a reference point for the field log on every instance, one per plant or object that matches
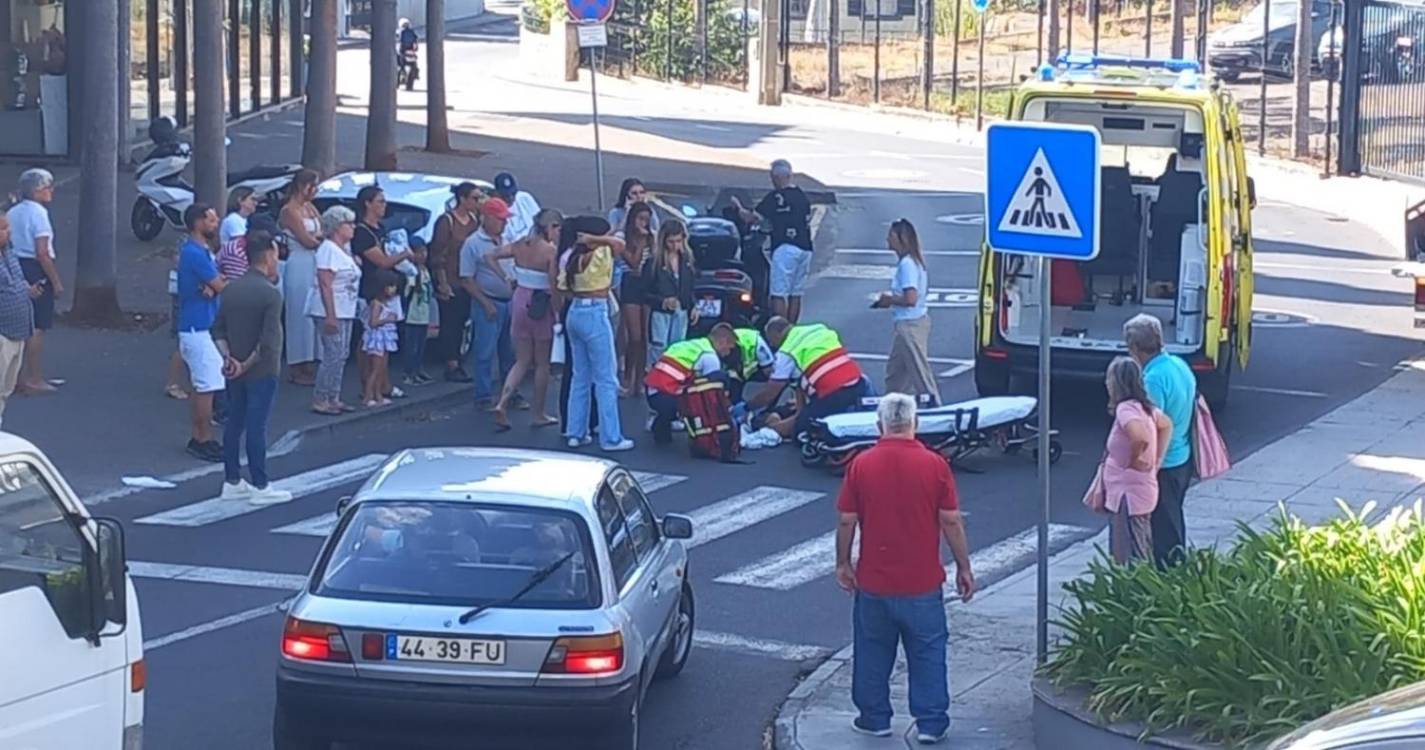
(457, 650)
(709, 308)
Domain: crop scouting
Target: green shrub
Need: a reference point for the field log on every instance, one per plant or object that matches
(1243, 645)
(653, 20)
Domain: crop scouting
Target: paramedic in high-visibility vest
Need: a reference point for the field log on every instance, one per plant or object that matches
(752, 360)
(681, 363)
(829, 380)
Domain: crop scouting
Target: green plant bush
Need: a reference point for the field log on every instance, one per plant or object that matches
(656, 20)
(1244, 645)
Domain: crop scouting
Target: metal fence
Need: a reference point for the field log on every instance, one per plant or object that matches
(1391, 107)
(707, 43)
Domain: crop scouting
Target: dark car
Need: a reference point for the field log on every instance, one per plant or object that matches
(1238, 48)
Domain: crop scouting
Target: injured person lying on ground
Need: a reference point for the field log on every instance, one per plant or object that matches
(827, 379)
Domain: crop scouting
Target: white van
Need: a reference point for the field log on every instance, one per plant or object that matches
(71, 646)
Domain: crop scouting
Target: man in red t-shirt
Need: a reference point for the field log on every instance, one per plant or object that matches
(902, 497)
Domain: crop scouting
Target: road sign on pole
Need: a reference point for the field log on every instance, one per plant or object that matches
(1042, 199)
(980, 6)
(593, 36)
(597, 11)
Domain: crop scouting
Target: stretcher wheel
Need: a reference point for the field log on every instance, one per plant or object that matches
(837, 463)
(811, 457)
(1056, 452)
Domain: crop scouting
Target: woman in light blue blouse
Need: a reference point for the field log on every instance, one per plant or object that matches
(908, 366)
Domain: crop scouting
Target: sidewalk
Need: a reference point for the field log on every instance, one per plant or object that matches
(1368, 449)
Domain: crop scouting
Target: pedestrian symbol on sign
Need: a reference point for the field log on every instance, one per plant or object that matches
(1038, 205)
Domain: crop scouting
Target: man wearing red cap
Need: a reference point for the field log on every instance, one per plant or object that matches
(490, 285)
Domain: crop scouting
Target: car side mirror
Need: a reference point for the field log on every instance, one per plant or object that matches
(107, 569)
(677, 527)
(342, 504)
(1251, 192)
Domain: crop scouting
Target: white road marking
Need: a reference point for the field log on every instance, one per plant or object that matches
(816, 558)
(1323, 268)
(879, 251)
(713, 522)
(783, 571)
(304, 484)
(933, 360)
(757, 646)
(286, 444)
(322, 525)
(714, 128)
(958, 370)
(856, 271)
(222, 576)
(1279, 391)
(207, 627)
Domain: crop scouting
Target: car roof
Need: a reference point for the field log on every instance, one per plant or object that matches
(497, 475)
(429, 191)
(1397, 714)
(11, 444)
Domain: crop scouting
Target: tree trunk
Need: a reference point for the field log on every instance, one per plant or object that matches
(210, 153)
(1301, 76)
(437, 121)
(1053, 44)
(125, 57)
(833, 49)
(381, 114)
(96, 298)
(1178, 11)
(319, 130)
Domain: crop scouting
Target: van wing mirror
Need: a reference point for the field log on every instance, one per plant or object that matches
(107, 568)
(1251, 192)
(342, 504)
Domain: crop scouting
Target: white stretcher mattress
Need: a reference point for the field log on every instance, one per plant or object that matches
(994, 412)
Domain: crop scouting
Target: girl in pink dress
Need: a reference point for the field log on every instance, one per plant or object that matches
(1136, 445)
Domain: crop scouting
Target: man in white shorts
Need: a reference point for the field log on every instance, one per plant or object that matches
(788, 212)
(198, 286)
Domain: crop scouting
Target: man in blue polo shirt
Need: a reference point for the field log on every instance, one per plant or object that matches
(1173, 388)
(198, 286)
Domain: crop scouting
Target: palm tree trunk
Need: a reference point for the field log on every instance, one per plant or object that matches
(437, 122)
(210, 154)
(1301, 76)
(319, 132)
(96, 298)
(381, 115)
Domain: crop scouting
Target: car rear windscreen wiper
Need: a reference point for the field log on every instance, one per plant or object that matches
(539, 577)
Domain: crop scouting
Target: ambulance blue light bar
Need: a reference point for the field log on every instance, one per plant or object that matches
(1080, 61)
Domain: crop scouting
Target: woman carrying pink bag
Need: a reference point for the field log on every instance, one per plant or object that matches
(1126, 486)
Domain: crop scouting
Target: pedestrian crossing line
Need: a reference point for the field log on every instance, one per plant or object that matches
(715, 521)
(321, 525)
(786, 570)
(300, 485)
(757, 646)
(260, 579)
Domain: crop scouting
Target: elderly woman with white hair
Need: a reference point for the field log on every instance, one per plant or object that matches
(32, 240)
(331, 305)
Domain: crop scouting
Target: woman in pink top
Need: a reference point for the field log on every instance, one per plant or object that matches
(1136, 445)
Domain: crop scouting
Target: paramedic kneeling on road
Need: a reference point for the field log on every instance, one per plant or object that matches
(751, 361)
(681, 363)
(830, 379)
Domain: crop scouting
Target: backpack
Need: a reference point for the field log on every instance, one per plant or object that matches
(707, 412)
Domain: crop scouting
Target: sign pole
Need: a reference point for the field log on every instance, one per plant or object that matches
(1041, 650)
(598, 149)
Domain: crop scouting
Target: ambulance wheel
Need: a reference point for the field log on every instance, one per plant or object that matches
(991, 377)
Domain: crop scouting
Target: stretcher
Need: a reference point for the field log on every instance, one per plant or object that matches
(955, 431)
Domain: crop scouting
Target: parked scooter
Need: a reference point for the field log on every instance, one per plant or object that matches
(730, 260)
(164, 194)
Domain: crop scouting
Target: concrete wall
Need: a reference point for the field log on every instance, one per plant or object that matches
(454, 10)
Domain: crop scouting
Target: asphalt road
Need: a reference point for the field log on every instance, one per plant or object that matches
(1333, 325)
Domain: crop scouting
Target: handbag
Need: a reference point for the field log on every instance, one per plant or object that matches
(556, 354)
(1096, 497)
(1209, 450)
(539, 301)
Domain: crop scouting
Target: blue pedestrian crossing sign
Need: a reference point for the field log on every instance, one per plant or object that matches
(980, 5)
(1042, 189)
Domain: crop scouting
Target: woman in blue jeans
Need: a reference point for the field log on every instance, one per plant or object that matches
(587, 277)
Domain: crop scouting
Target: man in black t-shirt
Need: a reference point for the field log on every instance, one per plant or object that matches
(788, 212)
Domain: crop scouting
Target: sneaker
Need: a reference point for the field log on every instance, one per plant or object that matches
(396, 393)
(424, 379)
(619, 447)
(927, 738)
(859, 726)
(240, 491)
(410, 381)
(269, 495)
(648, 424)
(577, 443)
(205, 451)
(679, 425)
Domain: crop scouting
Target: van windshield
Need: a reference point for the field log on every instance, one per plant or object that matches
(459, 554)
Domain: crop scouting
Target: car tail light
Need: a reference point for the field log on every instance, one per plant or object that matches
(1420, 293)
(993, 353)
(1202, 364)
(602, 654)
(313, 641)
(138, 676)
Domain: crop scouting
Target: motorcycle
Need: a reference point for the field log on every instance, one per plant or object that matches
(408, 69)
(1405, 59)
(164, 195)
(732, 271)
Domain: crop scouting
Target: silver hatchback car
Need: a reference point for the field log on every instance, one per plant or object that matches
(473, 592)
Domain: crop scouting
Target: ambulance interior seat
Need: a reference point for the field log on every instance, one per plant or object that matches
(1175, 208)
(1121, 222)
